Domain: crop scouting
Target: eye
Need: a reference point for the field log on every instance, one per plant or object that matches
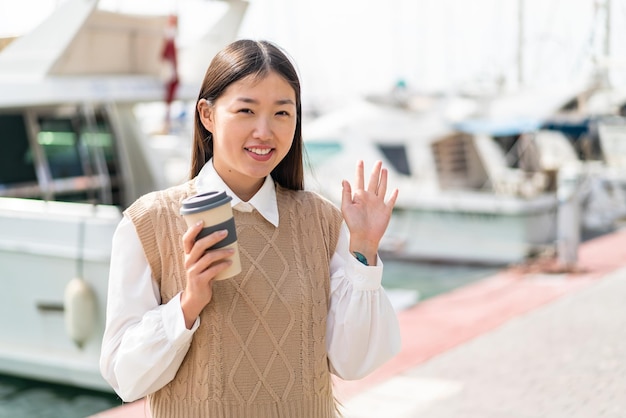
(283, 113)
(245, 110)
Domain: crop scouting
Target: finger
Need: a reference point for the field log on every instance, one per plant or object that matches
(392, 199)
(375, 178)
(382, 186)
(202, 245)
(359, 181)
(189, 237)
(209, 274)
(210, 259)
(206, 243)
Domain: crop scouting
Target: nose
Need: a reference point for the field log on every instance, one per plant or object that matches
(262, 128)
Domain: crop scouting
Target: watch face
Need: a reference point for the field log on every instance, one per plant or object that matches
(361, 258)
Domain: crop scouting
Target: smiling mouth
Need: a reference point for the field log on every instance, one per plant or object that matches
(259, 151)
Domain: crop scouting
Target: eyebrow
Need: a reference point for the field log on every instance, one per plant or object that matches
(278, 102)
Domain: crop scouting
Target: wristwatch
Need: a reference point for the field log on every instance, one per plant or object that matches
(361, 258)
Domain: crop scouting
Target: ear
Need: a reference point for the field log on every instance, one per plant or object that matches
(205, 111)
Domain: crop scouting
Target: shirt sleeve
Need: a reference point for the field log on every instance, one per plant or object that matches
(362, 327)
(144, 342)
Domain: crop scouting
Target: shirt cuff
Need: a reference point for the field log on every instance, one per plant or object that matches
(174, 323)
(364, 277)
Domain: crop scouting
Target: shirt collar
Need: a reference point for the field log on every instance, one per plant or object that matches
(264, 201)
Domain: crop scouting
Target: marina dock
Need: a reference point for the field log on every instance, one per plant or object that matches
(529, 341)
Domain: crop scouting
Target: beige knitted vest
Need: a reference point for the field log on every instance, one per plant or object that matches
(260, 350)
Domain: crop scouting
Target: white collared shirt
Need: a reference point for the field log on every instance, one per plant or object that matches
(145, 341)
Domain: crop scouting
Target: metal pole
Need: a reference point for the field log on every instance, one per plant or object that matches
(568, 218)
(520, 42)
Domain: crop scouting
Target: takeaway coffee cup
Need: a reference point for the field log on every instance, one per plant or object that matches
(214, 209)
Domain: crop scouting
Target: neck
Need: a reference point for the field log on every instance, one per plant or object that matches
(245, 187)
(245, 193)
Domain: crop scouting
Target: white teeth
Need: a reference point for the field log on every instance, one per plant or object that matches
(260, 151)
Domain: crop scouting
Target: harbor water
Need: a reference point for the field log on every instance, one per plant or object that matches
(406, 282)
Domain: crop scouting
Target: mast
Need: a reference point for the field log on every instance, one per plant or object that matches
(602, 54)
(520, 43)
(607, 42)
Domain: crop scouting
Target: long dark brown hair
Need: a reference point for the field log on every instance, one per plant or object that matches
(238, 60)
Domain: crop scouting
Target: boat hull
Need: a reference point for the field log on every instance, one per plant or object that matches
(43, 246)
(495, 231)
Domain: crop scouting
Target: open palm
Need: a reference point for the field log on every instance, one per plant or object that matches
(365, 210)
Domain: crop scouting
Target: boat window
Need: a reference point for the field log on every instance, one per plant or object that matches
(59, 141)
(16, 160)
(98, 139)
(81, 156)
(397, 157)
(80, 160)
(459, 161)
(510, 147)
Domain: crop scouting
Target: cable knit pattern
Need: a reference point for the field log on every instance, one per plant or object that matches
(260, 350)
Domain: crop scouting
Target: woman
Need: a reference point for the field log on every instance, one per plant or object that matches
(308, 301)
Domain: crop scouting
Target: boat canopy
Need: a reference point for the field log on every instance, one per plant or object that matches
(82, 53)
(80, 39)
(499, 127)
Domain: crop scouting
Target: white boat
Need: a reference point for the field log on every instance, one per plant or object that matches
(595, 123)
(73, 157)
(463, 197)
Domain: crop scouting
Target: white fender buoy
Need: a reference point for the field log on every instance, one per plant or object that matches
(80, 311)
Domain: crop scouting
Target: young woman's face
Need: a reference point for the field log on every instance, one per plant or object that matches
(253, 124)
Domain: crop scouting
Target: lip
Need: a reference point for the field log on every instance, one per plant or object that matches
(260, 157)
